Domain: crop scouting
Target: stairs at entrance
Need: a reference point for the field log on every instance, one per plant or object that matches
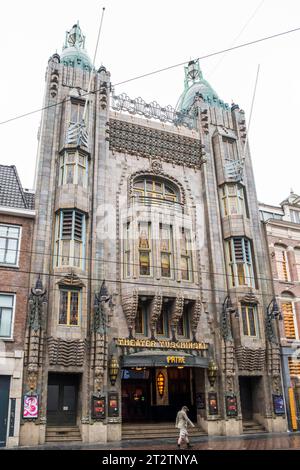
(251, 427)
(155, 431)
(62, 434)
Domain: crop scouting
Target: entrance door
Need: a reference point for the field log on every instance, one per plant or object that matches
(179, 385)
(135, 400)
(246, 398)
(4, 400)
(62, 399)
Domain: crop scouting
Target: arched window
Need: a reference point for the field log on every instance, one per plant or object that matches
(155, 189)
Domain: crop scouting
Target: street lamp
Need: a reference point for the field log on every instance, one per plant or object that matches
(113, 369)
(212, 372)
(273, 310)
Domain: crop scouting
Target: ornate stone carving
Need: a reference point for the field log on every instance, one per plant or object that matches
(176, 313)
(99, 338)
(152, 110)
(71, 280)
(147, 142)
(130, 305)
(66, 353)
(103, 91)
(156, 166)
(196, 313)
(155, 311)
(35, 333)
(251, 359)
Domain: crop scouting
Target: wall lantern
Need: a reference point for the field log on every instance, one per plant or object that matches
(160, 381)
(212, 372)
(113, 369)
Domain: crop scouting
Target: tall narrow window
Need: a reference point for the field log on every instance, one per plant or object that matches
(144, 247)
(183, 324)
(250, 320)
(141, 319)
(233, 200)
(69, 308)
(289, 320)
(127, 249)
(77, 109)
(185, 255)
(295, 216)
(240, 262)
(282, 263)
(166, 244)
(162, 325)
(6, 315)
(230, 149)
(70, 238)
(73, 168)
(9, 244)
(297, 259)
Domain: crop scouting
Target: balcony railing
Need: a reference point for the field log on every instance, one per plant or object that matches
(156, 201)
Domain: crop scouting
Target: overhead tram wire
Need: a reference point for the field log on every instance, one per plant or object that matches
(138, 77)
(198, 289)
(124, 263)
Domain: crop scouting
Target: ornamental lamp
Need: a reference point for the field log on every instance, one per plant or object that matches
(160, 382)
(113, 369)
(212, 372)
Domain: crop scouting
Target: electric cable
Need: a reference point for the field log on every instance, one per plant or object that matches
(154, 72)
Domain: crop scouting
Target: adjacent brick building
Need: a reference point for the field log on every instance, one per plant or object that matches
(282, 226)
(16, 230)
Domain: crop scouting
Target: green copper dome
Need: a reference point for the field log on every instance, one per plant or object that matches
(74, 53)
(195, 84)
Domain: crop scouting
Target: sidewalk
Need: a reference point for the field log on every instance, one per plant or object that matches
(263, 441)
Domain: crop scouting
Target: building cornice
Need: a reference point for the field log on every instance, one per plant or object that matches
(15, 211)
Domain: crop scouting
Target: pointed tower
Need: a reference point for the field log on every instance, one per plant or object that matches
(71, 145)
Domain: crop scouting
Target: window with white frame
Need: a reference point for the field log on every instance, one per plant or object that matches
(233, 200)
(186, 255)
(230, 149)
(73, 168)
(77, 108)
(282, 263)
(250, 320)
(70, 238)
(297, 260)
(7, 303)
(240, 262)
(295, 216)
(9, 244)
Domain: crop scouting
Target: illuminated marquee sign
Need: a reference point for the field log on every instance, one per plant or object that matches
(160, 344)
(175, 360)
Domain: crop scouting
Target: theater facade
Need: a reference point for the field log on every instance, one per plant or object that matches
(150, 281)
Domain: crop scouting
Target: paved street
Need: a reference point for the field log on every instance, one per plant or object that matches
(285, 441)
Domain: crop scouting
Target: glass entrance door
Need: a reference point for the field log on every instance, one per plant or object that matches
(62, 399)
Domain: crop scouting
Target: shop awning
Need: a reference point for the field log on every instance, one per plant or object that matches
(162, 359)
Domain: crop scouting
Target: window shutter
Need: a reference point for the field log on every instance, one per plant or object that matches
(294, 366)
(67, 224)
(288, 320)
(78, 225)
(238, 249)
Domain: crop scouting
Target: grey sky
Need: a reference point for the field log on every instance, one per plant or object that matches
(139, 36)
